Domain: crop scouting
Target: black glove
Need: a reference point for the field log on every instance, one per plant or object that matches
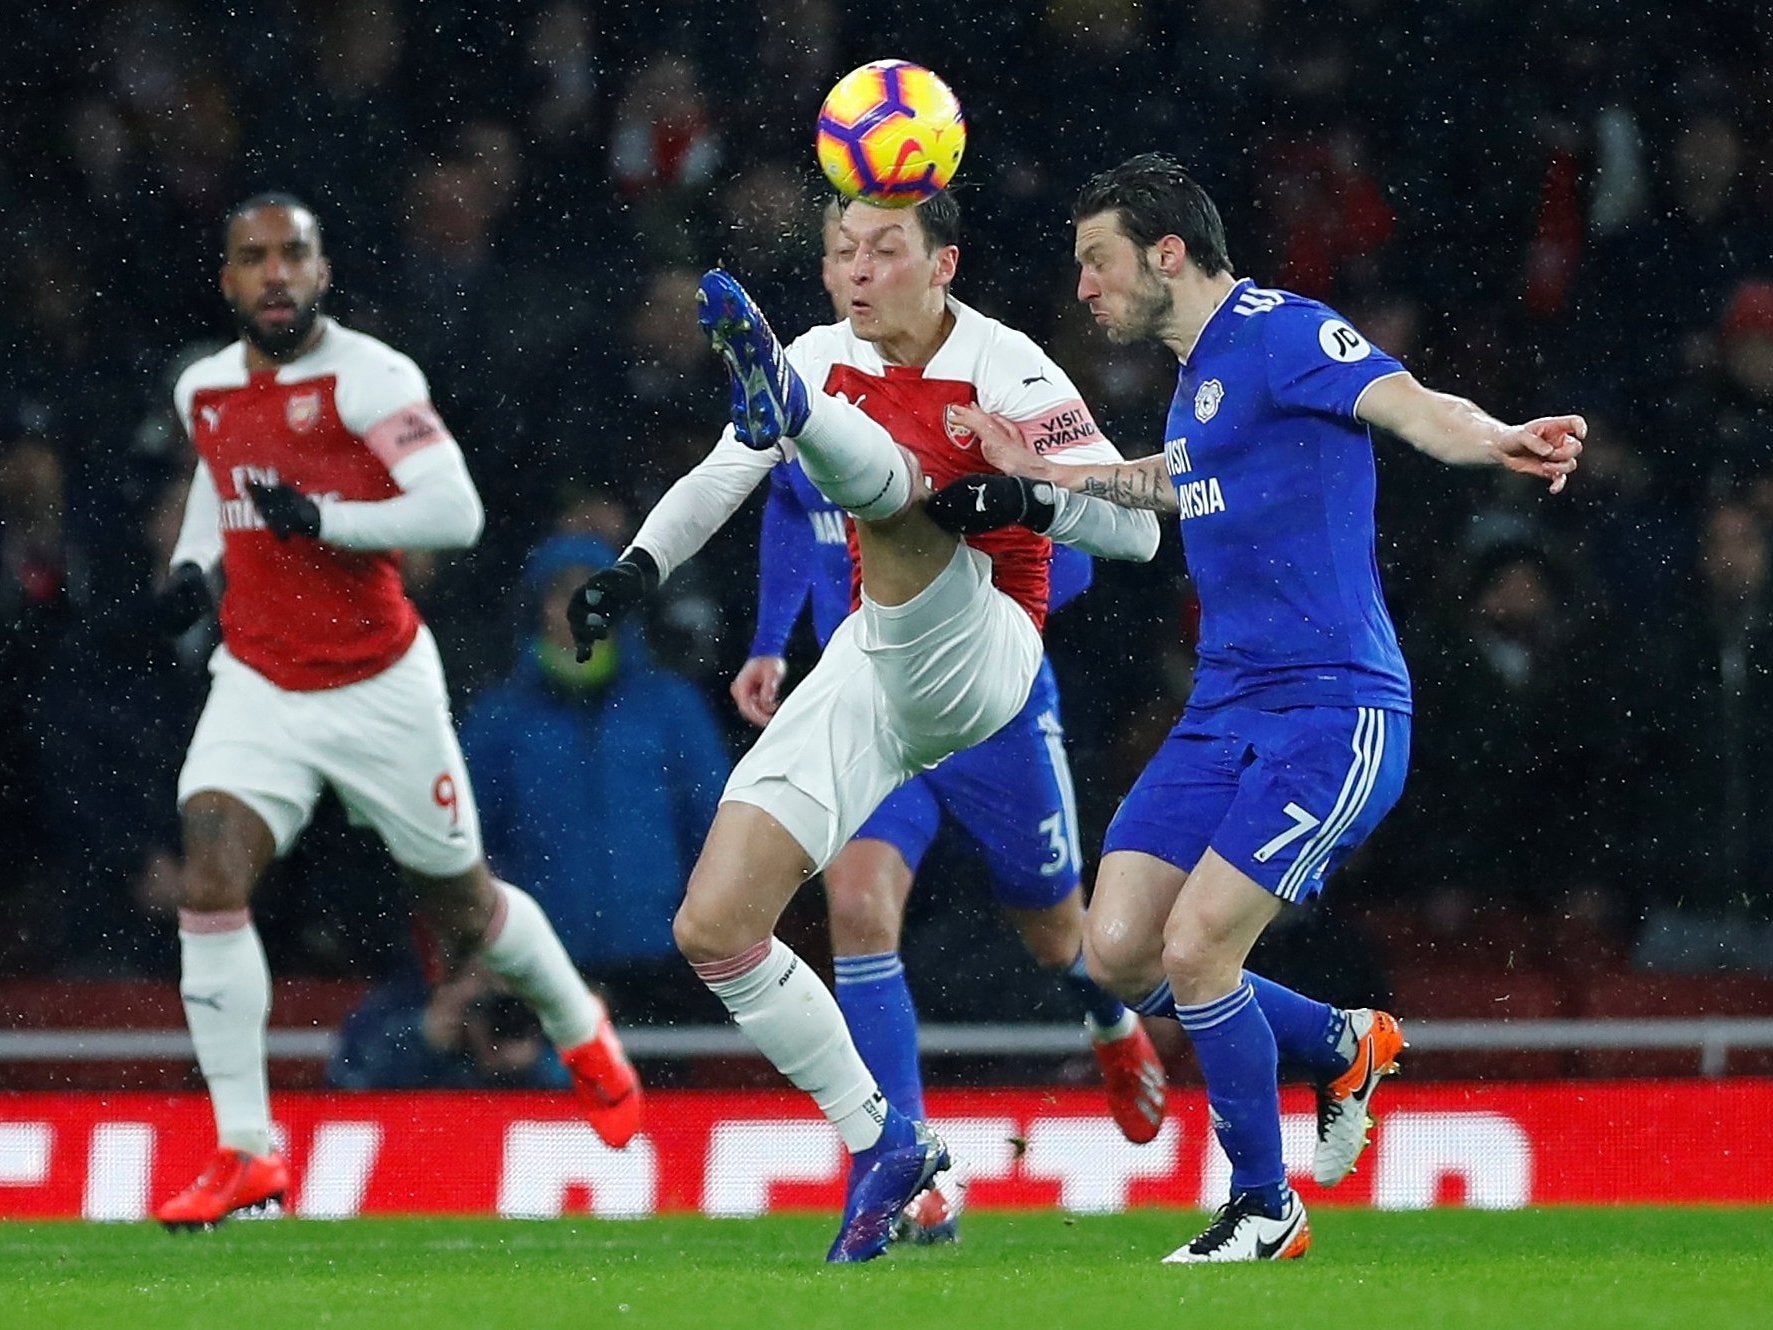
(182, 601)
(610, 593)
(976, 504)
(286, 510)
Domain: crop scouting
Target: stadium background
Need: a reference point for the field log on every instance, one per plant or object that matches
(1548, 206)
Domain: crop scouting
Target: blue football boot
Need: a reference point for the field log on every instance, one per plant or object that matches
(769, 399)
(884, 1179)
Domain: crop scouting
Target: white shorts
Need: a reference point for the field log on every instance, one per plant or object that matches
(385, 744)
(898, 689)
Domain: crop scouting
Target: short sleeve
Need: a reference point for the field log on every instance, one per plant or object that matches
(1318, 362)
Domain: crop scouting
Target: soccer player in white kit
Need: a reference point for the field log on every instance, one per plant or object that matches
(941, 653)
(320, 458)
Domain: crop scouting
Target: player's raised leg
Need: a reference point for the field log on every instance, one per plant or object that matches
(226, 988)
(849, 457)
(749, 868)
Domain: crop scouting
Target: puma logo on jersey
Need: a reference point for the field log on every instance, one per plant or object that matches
(212, 415)
(1035, 378)
(979, 499)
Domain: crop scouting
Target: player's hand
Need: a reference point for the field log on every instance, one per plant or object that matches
(973, 505)
(608, 594)
(286, 510)
(757, 688)
(1547, 447)
(1000, 441)
(182, 601)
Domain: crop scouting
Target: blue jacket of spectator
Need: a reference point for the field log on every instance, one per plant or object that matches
(595, 802)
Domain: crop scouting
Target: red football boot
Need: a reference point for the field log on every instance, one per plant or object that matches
(607, 1086)
(232, 1182)
(1133, 1075)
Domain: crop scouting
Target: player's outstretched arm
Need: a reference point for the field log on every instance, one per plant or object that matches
(1457, 431)
(701, 502)
(1143, 484)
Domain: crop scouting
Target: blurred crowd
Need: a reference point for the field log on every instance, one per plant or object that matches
(1547, 205)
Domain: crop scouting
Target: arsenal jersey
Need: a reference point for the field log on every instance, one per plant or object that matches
(982, 362)
(333, 424)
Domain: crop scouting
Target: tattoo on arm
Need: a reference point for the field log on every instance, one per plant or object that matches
(1135, 485)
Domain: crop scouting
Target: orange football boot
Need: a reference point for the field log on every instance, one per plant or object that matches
(232, 1182)
(607, 1085)
(1342, 1117)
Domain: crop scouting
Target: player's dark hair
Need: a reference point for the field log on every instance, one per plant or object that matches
(1154, 197)
(938, 215)
(268, 199)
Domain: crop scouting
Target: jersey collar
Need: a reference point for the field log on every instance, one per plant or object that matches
(1208, 331)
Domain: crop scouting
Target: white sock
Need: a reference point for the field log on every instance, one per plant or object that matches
(792, 1018)
(226, 986)
(852, 460)
(1108, 1034)
(523, 949)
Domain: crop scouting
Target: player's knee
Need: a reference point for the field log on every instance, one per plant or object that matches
(704, 935)
(1198, 972)
(1126, 970)
(207, 886)
(864, 916)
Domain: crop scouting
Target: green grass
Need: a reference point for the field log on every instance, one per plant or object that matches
(1690, 1269)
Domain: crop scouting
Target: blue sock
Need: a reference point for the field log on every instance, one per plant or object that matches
(1158, 1002)
(876, 1005)
(1237, 1055)
(1103, 1007)
(1305, 1030)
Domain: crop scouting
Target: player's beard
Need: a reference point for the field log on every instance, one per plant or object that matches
(1150, 307)
(280, 343)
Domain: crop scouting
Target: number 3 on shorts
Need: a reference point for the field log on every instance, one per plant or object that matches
(1302, 823)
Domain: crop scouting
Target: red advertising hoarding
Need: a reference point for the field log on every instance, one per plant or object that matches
(106, 1156)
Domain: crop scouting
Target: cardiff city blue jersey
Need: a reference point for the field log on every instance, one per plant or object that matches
(804, 552)
(1275, 478)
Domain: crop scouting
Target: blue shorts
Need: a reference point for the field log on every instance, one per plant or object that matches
(1284, 796)
(1011, 795)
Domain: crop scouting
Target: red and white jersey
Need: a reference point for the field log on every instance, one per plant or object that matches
(983, 362)
(333, 423)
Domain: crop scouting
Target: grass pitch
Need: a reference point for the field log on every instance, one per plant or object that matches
(1690, 1269)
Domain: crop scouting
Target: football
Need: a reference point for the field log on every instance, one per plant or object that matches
(890, 133)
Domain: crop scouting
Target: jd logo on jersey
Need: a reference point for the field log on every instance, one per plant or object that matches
(302, 411)
(1340, 342)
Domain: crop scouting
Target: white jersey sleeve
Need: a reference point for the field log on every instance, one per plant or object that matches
(438, 508)
(1023, 383)
(702, 501)
(200, 532)
(375, 381)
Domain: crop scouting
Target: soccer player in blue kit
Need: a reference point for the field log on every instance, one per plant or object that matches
(1296, 735)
